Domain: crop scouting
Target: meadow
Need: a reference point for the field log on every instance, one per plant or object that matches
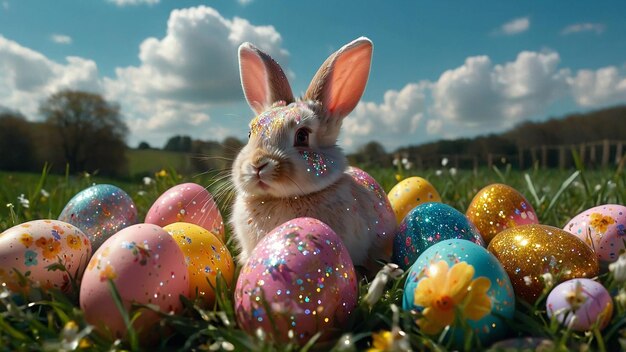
(52, 321)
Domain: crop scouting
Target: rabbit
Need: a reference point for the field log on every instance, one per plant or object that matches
(292, 167)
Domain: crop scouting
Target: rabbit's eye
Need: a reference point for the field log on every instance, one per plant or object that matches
(302, 138)
(249, 134)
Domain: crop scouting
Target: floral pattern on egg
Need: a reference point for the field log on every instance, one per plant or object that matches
(33, 246)
(603, 228)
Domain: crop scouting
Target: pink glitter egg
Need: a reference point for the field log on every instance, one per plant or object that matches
(147, 267)
(187, 202)
(385, 223)
(603, 228)
(298, 281)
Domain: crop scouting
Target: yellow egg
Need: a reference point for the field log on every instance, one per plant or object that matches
(205, 256)
(497, 207)
(409, 193)
(528, 252)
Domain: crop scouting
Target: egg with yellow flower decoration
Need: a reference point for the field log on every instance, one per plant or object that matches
(603, 228)
(31, 247)
(459, 281)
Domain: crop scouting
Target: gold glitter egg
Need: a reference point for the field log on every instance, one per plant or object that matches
(529, 252)
(409, 193)
(498, 207)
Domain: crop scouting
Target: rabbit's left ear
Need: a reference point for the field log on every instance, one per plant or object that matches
(340, 81)
(262, 79)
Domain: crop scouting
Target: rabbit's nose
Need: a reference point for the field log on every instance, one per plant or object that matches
(260, 168)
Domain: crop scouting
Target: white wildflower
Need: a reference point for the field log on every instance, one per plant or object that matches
(408, 166)
(141, 193)
(438, 172)
(618, 268)
(576, 297)
(23, 201)
(620, 299)
(147, 181)
(375, 291)
(548, 280)
(405, 161)
(597, 187)
(611, 184)
(10, 205)
(395, 162)
(453, 171)
(444, 162)
(45, 193)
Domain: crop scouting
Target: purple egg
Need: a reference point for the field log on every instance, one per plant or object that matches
(580, 303)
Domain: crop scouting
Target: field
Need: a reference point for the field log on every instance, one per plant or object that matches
(52, 322)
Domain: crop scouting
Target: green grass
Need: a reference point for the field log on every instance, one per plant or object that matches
(52, 321)
(149, 161)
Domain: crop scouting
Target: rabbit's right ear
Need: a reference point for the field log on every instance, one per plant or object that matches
(262, 79)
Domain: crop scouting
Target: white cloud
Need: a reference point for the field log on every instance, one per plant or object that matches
(61, 39)
(583, 27)
(244, 2)
(600, 87)
(479, 93)
(6, 5)
(122, 3)
(401, 112)
(27, 77)
(515, 26)
(191, 68)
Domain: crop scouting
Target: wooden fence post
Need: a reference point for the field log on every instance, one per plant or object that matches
(592, 156)
(544, 156)
(562, 157)
(581, 153)
(618, 153)
(606, 150)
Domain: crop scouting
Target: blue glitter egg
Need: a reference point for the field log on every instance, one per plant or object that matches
(427, 224)
(100, 211)
(501, 297)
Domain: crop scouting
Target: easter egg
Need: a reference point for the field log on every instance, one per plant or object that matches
(409, 193)
(384, 224)
(458, 277)
(187, 202)
(32, 246)
(498, 207)
(426, 225)
(146, 266)
(100, 211)
(580, 304)
(603, 228)
(205, 255)
(298, 281)
(529, 251)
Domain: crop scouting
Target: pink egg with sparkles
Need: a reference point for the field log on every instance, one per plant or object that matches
(385, 224)
(580, 304)
(603, 228)
(298, 281)
(146, 266)
(187, 202)
(32, 246)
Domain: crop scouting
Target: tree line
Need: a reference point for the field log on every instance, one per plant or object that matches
(84, 132)
(609, 123)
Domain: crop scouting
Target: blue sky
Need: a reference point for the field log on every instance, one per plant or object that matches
(441, 69)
